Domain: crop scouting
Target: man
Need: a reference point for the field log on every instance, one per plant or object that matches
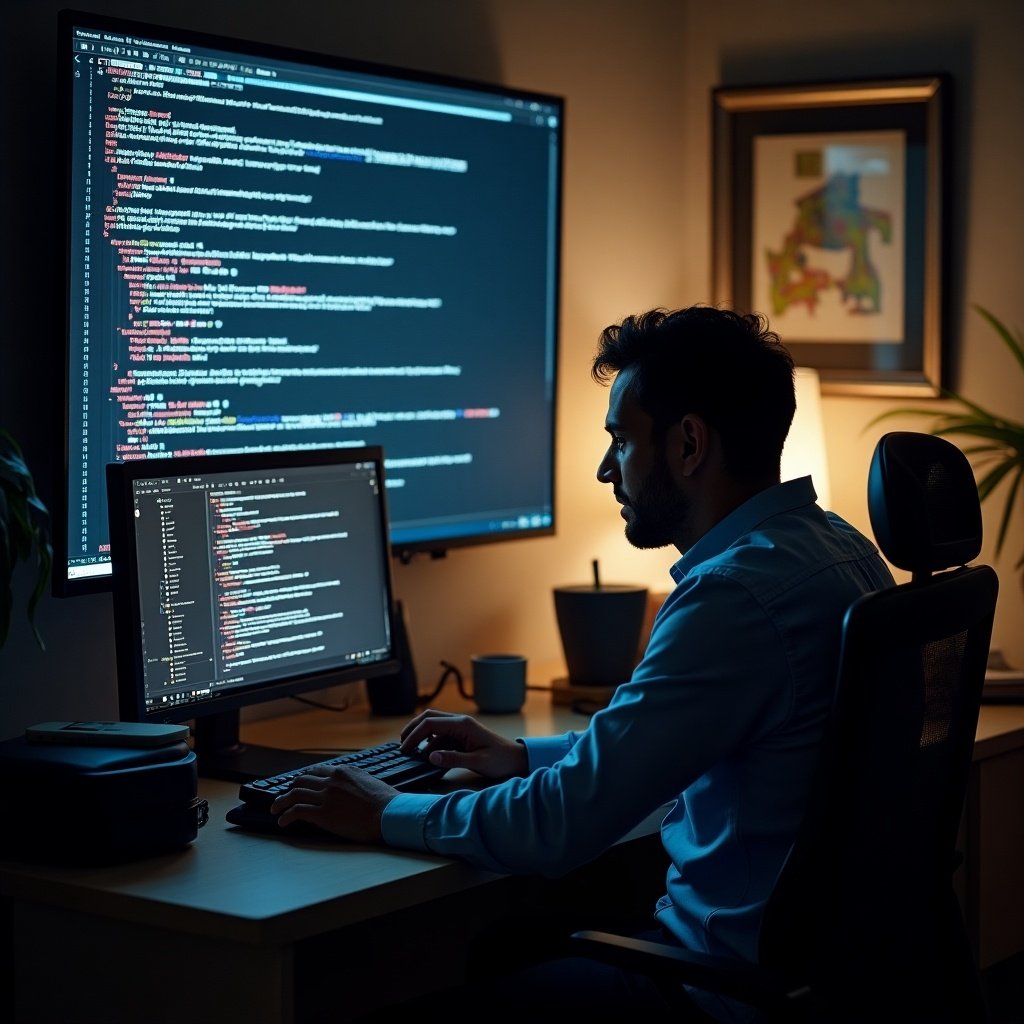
(722, 717)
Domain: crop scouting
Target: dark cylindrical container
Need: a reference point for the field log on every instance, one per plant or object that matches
(600, 631)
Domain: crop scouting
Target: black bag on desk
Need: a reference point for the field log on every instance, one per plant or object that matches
(98, 805)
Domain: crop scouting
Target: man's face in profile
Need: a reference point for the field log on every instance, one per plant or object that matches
(637, 467)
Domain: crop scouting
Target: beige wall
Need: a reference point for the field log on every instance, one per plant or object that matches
(636, 75)
(746, 43)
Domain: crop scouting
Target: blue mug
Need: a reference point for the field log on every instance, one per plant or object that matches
(499, 682)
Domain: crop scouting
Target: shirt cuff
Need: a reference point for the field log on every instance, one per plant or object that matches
(404, 820)
(545, 751)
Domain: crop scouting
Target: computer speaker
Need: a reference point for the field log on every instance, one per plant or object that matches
(398, 693)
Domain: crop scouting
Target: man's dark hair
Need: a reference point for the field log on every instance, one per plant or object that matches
(727, 368)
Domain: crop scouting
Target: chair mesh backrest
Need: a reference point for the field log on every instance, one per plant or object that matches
(942, 664)
(866, 891)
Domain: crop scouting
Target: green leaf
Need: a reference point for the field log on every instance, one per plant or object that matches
(997, 452)
(998, 443)
(889, 414)
(6, 593)
(992, 479)
(1015, 346)
(1004, 524)
(24, 533)
(975, 410)
(1009, 438)
(43, 562)
(12, 462)
(21, 537)
(4, 529)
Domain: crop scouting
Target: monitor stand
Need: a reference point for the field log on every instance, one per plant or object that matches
(221, 755)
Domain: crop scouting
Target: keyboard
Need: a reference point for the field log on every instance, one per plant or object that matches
(386, 762)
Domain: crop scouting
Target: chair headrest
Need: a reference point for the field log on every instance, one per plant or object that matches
(923, 502)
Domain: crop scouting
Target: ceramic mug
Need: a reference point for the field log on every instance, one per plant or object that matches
(499, 682)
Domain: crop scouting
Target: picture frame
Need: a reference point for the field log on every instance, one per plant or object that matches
(828, 217)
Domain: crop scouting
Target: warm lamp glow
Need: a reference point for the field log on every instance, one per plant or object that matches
(804, 453)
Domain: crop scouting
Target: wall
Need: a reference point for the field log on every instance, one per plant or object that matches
(747, 43)
(636, 75)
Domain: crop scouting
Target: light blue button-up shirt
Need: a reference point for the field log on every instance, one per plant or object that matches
(721, 720)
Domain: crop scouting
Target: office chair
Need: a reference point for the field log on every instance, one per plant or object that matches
(863, 924)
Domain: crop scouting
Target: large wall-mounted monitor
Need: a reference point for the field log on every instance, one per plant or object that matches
(240, 579)
(270, 250)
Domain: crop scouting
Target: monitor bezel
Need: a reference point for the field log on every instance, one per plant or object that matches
(67, 20)
(124, 579)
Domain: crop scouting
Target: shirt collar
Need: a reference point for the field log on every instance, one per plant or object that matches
(770, 502)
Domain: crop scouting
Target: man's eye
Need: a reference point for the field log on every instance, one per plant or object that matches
(618, 443)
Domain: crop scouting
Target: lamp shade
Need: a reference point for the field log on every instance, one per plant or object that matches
(804, 453)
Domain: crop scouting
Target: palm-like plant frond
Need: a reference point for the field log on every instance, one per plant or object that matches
(24, 533)
(1000, 447)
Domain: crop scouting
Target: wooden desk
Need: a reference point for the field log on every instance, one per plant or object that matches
(238, 926)
(249, 928)
(992, 836)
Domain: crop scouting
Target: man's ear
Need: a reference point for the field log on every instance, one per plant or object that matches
(693, 439)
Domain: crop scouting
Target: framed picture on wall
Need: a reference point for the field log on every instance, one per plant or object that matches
(828, 217)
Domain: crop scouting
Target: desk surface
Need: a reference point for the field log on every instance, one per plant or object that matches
(267, 890)
(264, 889)
(1000, 728)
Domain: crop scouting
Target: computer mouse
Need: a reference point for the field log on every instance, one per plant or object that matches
(253, 819)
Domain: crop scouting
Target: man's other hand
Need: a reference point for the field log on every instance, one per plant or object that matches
(459, 741)
(346, 801)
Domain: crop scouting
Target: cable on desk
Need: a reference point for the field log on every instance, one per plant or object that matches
(449, 670)
(344, 706)
(580, 707)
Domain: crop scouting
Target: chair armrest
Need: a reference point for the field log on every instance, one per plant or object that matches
(747, 983)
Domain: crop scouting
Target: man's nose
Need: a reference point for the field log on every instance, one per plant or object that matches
(607, 469)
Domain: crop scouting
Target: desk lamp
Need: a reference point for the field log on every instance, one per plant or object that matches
(804, 453)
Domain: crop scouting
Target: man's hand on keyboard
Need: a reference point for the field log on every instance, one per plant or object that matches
(346, 801)
(458, 741)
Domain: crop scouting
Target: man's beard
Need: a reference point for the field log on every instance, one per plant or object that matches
(656, 513)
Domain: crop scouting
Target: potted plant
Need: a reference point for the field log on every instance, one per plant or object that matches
(24, 533)
(998, 449)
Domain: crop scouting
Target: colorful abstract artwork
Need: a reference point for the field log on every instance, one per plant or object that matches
(829, 209)
(828, 235)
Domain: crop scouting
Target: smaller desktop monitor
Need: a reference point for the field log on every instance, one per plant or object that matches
(244, 578)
